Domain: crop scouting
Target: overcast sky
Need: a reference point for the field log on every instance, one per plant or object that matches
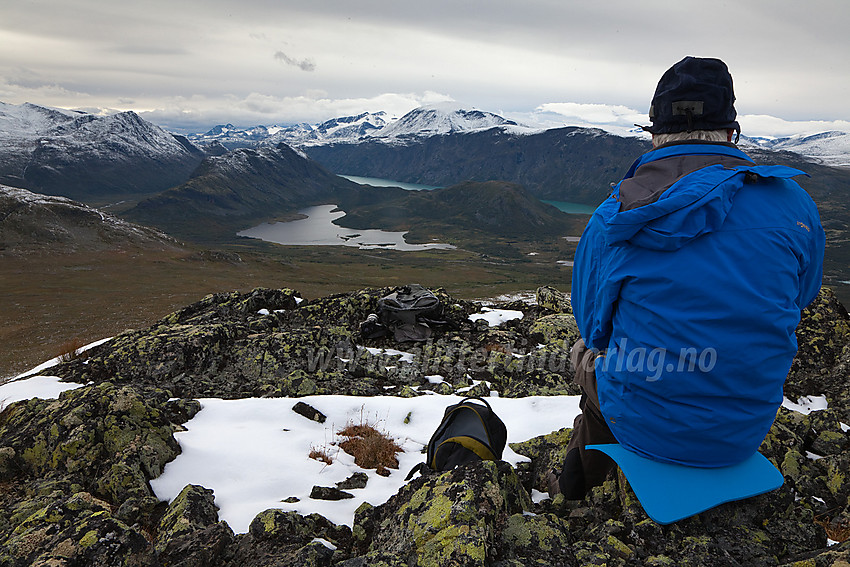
(190, 64)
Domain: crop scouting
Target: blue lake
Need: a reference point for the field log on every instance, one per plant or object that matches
(376, 182)
(567, 207)
(574, 208)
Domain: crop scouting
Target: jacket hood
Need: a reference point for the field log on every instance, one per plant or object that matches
(696, 204)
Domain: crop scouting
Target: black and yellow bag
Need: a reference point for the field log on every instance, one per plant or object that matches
(469, 431)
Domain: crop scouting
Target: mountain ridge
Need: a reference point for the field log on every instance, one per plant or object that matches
(228, 192)
(34, 223)
(90, 158)
(829, 147)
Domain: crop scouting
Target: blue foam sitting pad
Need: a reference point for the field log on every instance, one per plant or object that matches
(670, 492)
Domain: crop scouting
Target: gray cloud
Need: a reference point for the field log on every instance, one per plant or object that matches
(203, 60)
(304, 64)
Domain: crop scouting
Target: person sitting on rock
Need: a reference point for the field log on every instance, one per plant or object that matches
(687, 288)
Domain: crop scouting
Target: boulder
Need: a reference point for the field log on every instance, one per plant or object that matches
(454, 518)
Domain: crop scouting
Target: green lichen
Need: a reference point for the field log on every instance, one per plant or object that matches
(267, 521)
(89, 539)
(660, 561)
(791, 464)
(455, 545)
(431, 520)
(534, 535)
(517, 531)
(558, 330)
(37, 454)
(619, 547)
(835, 479)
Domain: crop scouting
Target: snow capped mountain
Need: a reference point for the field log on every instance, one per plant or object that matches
(830, 148)
(233, 137)
(416, 124)
(35, 126)
(80, 155)
(347, 128)
(436, 120)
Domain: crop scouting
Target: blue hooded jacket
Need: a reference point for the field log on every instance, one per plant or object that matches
(692, 295)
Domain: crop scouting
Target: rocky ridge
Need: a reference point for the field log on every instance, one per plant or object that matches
(30, 222)
(75, 472)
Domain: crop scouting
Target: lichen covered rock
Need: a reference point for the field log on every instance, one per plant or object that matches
(75, 530)
(271, 343)
(823, 339)
(550, 298)
(276, 537)
(453, 518)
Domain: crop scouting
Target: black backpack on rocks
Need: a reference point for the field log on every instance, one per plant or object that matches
(469, 432)
(408, 312)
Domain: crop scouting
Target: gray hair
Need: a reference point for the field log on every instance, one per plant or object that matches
(703, 135)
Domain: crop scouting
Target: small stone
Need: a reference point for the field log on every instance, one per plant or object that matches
(329, 493)
(357, 480)
(291, 500)
(7, 460)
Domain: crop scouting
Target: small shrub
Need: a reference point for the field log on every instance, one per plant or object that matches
(837, 529)
(70, 349)
(370, 448)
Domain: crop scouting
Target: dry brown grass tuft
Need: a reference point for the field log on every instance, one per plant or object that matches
(321, 454)
(837, 529)
(371, 449)
(70, 349)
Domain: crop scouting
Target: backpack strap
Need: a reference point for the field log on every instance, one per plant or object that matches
(421, 468)
(479, 398)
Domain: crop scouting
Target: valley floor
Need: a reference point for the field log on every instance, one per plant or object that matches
(53, 301)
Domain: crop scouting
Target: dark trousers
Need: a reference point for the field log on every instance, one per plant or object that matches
(586, 469)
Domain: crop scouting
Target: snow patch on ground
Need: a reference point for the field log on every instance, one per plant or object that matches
(806, 404)
(496, 317)
(253, 453)
(44, 387)
(54, 361)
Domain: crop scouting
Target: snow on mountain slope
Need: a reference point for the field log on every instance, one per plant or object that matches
(28, 126)
(435, 120)
(32, 221)
(418, 123)
(346, 128)
(350, 127)
(87, 156)
(27, 120)
(830, 148)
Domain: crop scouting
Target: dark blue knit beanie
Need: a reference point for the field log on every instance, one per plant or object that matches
(694, 94)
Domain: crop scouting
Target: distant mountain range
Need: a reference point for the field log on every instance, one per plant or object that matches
(415, 125)
(828, 148)
(345, 128)
(201, 190)
(566, 164)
